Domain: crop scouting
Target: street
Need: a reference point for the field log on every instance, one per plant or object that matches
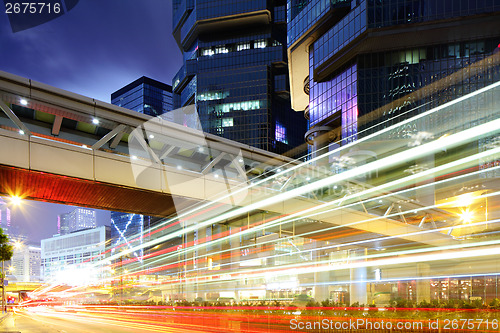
(46, 320)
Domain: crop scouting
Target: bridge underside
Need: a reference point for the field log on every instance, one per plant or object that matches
(87, 193)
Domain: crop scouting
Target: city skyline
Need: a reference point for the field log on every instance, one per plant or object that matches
(25, 216)
(62, 53)
(207, 217)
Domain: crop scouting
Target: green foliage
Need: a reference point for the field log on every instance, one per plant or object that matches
(425, 305)
(326, 303)
(495, 304)
(312, 303)
(6, 250)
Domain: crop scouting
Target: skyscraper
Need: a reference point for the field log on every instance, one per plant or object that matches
(360, 66)
(153, 98)
(144, 95)
(26, 263)
(4, 216)
(78, 219)
(127, 230)
(235, 71)
(348, 59)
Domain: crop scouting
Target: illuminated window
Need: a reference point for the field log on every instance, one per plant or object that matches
(259, 44)
(227, 122)
(221, 49)
(207, 52)
(281, 133)
(212, 95)
(245, 106)
(243, 46)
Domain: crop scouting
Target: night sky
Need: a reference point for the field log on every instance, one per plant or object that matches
(94, 49)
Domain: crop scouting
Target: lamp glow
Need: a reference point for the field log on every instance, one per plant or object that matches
(16, 200)
(465, 200)
(467, 216)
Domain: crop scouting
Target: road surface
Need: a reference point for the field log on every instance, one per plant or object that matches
(51, 321)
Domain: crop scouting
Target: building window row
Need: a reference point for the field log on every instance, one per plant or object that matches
(236, 47)
(212, 95)
(245, 106)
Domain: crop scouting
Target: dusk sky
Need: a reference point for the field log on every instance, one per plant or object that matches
(94, 49)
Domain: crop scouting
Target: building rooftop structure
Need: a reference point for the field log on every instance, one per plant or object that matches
(144, 95)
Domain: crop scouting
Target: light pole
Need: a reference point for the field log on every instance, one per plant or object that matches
(3, 286)
(6, 250)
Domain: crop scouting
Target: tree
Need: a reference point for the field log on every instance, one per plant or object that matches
(6, 252)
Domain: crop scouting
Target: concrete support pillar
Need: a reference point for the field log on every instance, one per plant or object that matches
(423, 286)
(321, 280)
(358, 277)
(189, 288)
(235, 259)
(200, 263)
(357, 290)
(320, 137)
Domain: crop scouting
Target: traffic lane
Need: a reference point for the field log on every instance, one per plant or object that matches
(47, 320)
(14, 323)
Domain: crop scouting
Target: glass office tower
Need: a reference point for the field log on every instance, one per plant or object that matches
(358, 66)
(235, 71)
(153, 98)
(145, 95)
(76, 220)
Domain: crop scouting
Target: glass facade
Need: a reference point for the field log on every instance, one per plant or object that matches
(78, 219)
(401, 75)
(153, 98)
(235, 72)
(75, 258)
(373, 65)
(127, 231)
(389, 13)
(146, 96)
(365, 62)
(4, 216)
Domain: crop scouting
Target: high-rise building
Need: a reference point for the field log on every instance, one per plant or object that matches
(25, 265)
(153, 98)
(357, 66)
(144, 95)
(127, 231)
(235, 71)
(78, 219)
(360, 66)
(4, 216)
(77, 257)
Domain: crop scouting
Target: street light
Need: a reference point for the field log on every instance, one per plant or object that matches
(467, 216)
(15, 200)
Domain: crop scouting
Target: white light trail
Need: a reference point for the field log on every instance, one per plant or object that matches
(410, 154)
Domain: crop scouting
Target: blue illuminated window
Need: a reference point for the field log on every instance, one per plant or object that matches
(281, 133)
